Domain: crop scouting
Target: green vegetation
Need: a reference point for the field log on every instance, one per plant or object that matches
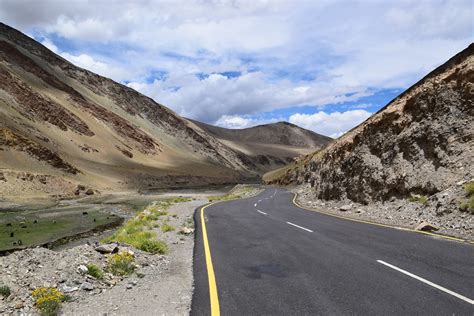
(48, 300)
(122, 263)
(138, 232)
(5, 291)
(95, 271)
(167, 227)
(226, 197)
(38, 228)
(468, 204)
(418, 198)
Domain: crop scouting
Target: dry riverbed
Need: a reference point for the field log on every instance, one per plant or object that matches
(92, 281)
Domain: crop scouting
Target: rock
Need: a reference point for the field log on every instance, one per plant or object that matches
(19, 305)
(80, 187)
(86, 286)
(359, 211)
(129, 286)
(69, 289)
(89, 192)
(426, 227)
(345, 208)
(186, 230)
(82, 269)
(107, 248)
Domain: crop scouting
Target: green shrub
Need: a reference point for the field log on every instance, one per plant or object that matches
(95, 271)
(418, 198)
(226, 197)
(468, 204)
(167, 228)
(48, 300)
(153, 246)
(122, 263)
(5, 291)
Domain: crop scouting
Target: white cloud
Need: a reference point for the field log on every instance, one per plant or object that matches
(309, 53)
(331, 124)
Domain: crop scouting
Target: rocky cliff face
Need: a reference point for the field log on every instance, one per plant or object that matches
(420, 143)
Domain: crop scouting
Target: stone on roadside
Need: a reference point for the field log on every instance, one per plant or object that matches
(186, 230)
(107, 248)
(69, 289)
(345, 208)
(82, 269)
(86, 286)
(426, 227)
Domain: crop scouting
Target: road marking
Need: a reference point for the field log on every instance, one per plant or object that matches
(308, 230)
(428, 282)
(255, 205)
(377, 224)
(259, 201)
(261, 212)
(214, 298)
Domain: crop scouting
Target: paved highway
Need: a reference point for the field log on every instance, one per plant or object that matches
(266, 256)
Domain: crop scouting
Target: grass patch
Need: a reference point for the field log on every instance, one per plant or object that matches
(36, 229)
(48, 300)
(122, 263)
(418, 198)
(226, 197)
(5, 291)
(468, 204)
(167, 228)
(95, 271)
(138, 232)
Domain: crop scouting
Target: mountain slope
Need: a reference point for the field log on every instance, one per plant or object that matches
(269, 145)
(61, 125)
(420, 143)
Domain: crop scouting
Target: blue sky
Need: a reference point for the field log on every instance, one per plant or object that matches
(324, 65)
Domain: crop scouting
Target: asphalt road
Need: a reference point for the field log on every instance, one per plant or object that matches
(272, 258)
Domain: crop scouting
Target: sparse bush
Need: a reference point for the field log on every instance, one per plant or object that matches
(95, 271)
(468, 204)
(418, 198)
(153, 246)
(48, 300)
(122, 263)
(167, 228)
(5, 291)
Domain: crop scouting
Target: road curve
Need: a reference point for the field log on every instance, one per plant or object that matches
(270, 257)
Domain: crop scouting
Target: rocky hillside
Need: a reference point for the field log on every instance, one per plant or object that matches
(420, 143)
(61, 125)
(271, 145)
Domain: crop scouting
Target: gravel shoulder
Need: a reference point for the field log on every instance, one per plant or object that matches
(440, 213)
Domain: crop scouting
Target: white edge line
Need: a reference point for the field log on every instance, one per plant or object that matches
(428, 282)
(308, 230)
(261, 212)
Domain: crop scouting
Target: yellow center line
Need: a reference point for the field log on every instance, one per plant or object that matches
(214, 297)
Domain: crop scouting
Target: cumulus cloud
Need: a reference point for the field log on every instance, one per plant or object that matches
(331, 124)
(315, 53)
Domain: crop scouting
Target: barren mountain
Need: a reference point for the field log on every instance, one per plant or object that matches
(419, 146)
(271, 145)
(61, 125)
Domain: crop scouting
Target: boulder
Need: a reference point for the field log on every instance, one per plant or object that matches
(82, 269)
(89, 192)
(426, 227)
(345, 208)
(186, 230)
(107, 248)
(86, 286)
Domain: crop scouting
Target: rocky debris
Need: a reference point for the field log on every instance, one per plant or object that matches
(107, 248)
(82, 269)
(90, 192)
(426, 227)
(441, 211)
(86, 286)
